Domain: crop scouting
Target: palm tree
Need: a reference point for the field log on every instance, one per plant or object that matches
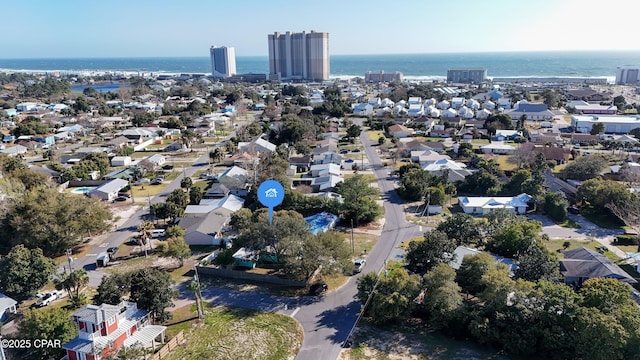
(144, 231)
(216, 155)
(186, 183)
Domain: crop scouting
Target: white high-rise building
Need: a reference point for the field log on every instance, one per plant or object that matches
(628, 75)
(223, 61)
(299, 56)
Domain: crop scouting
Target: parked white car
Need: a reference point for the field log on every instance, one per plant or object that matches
(48, 298)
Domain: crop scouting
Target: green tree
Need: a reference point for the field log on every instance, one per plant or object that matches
(195, 195)
(597, 128)
(358, 203)
(53, 221)
(551, 98)
(51, 323)
(382, 140)
(152, 290)
(555, 205)
(178, 249)
(415, 182)
(425, 254)
(472, 269)
(514, 239)
(461, 228)
(112, 289)
(186, 183)
(442, 297)
(178, 197)
(392, 296)
(216, 155)
(480, 182)
(24, 271)
(536, 263)
(304, 255)
(73, 283)
(353, 131)
(584, 168)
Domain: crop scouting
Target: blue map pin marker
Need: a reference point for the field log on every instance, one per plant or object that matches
(270, 194)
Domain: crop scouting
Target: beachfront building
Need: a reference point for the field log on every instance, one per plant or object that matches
(613, 124)
(299, 56)
(627, 75)
(381, 76)
(223, 61)
(467, 75)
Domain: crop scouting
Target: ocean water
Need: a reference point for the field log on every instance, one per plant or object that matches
(499, 64)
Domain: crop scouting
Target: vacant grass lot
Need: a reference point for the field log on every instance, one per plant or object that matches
(239, 334)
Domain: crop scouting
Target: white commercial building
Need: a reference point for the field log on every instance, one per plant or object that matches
(613, 124)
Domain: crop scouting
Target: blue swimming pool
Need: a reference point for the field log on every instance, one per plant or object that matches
(321, 222)
(82, 190)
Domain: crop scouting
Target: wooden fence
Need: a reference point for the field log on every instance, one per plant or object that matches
(168, 347)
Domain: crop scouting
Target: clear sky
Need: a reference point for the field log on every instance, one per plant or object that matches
(150, 28)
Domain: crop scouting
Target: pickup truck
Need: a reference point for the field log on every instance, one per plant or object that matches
(48, 298)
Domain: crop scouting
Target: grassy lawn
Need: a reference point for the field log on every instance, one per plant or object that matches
(369, 177)
(374, 134)
(240, 334)
(570, 224)
(480, 142)
(503, 162)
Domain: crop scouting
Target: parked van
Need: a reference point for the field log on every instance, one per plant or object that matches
(156, 233)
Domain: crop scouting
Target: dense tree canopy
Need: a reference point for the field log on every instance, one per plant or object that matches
(52, 323)
(53, 221)
(358, 203)
(584, 168)
(423, 255)
(24, 271)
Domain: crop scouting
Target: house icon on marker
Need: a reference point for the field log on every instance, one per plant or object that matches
(271, 193)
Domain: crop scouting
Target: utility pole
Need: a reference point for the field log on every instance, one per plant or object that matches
(353, 248)
(69, 258)
(198, 294)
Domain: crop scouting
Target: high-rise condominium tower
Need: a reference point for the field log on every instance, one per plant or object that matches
(299, 56)
(223, 61)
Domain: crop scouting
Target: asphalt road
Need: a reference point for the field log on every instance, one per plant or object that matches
(328, 322)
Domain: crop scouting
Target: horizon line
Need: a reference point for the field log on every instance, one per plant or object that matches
(368, 54)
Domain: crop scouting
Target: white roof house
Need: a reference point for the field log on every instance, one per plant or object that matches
(121, 160)
(455, 171)
(443, 105)
(415, 100)
(472, 104)
(425, 157)
(226, 206)
(498, 148)
(258, 145)
(489, 105)
(325, 183)
(363, 109)
(456, 102)
(465, 112)
(233, 176)
(157, 160)
(432, 111)
(7, 305)
(449, 113)
(109, 190)
(415, 110)
(318, 170)
(481, 205)
(483, 114)
(14, 150)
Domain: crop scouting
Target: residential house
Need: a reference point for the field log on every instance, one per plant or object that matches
(424, 157)
(7, 307)
(325, 183)
(579, 265)
(363, 109)
(498, 148)
(14, 150)
(558, 154)
(241, 158)
(121, 161)
(104, 329)
(454, 171)
(157, 160)
(216, 191)
(504, 135)
(481, 205)
(257, 146)
(327, 158)
(225, 206)
(301, 163)
(544, 138)
(235, 179)
(118, 142)
(204, 230)
(109, 190)
(415, 110)
(324, 169)
(457, 102)
(584, 139)
(400, 131)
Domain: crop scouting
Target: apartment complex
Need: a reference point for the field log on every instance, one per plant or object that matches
(467, 75)
(299, 56)
(627, 75)
(223, 61)
(382, 76)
